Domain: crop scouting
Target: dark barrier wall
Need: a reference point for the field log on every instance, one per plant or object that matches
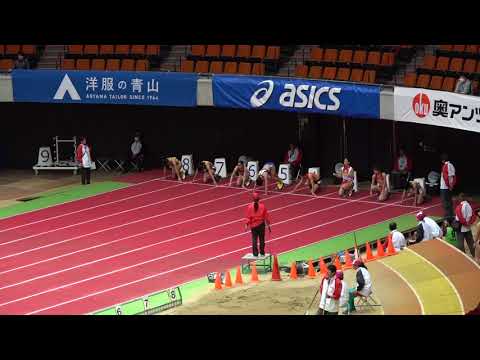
(205, 132)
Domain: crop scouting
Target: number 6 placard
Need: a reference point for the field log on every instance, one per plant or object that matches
(252, 168)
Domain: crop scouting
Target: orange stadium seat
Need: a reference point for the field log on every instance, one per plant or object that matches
(243, 51)
(373, 58)
(458, 48)
(127, 65)
(91, 50)
(356, 75)
(429, 62)
(113, 65)
(30, 50)
(448, 84)
(83, 64)
(456, 64)
(478, 67)
(122, 50)
(244, 68)
(152, 50)
(75, 49)
(106, 50)
(442, 63)
(201, 66)
(343, 74)
(213, 51)
(359, 57)
(258, 52)
(12, 49)
(138, 50)
(273, 53)
(345, 56)
(230, 67)
(228, 51)
(469, 66)
(198, 50)
(369, 76)
(473, 49)
(216, 67)
(330, 55)
(444, 47)
(68, 64)
(316, 54)
(410, 79)
(388, 59)
(186, 66)
(301, 71)
(423, 81)
(6, 64)
(436, 82)
(98, 64)
(258, 69)
(329, 73)
(142, 65)
(2, 50)
(315, 72)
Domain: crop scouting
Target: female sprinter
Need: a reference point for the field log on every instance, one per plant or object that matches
(347, 176)
(312, 179)
(208, 172)
(257, 218)
(176, 166)
(415, 189)
(243, 177)
(379, 184)
(268, 171)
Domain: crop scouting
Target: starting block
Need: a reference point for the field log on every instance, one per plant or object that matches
(263, 262)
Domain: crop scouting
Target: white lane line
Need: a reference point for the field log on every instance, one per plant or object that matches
(136, 235)
(197, 247)
(419, 300)
(141, 248)
(85, 198)
(444, 276)
(86, 209)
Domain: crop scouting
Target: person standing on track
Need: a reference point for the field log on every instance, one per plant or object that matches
(447, 183)
(465, 217)
(84, 158)
(330, 292)
(257, 218)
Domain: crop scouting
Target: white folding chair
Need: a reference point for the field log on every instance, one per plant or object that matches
(389, 189)
(355, 182)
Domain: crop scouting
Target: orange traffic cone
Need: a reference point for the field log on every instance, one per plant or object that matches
(218, 281)
(370, 256)
(338, 265)
(275, 271)
(293, 271)
(348, 260)
(311, 270)
(323, 267)
(238, 277)
(390, 249)
(228, 279)
(380, 251)
(254, 273)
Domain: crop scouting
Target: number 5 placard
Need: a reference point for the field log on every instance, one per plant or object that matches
(284, 173)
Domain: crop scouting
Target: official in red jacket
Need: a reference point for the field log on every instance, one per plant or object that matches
(257, 218)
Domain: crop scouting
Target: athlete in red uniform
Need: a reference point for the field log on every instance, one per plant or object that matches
(379, 184)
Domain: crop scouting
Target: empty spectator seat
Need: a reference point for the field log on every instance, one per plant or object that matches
(436, 82)
(423, 81)
(213, 51)
(330, 73)
(330, 55)
(216, 67)
(343, 74)
(373, 58)
(442, 63)
(198, 50)
(98, 64)
(449, 84)
(410, 80)
(356, 75)
(122, 50)
(68, 64)
(12, 49)
(429, 62)
(6, 65)
(258, 52)
(258, 69)
(359, 57)
(444, 47)
(458, 48)
(345, 56)
(83, 64)
(201, 66)
(316, 54)
(243, 51)
(472, 49)
(138, 50)
(29, 50)
(469, 66)
(315, 72)
(230, 67)
(113, 65)
(152, 50)
(90, 50)
(244, 68)
(388, 59)
(106, 50)
(76, 50)
(456, 65)
(273, 53)
(369, 76)
(301, 71)
(127, 65)
(142, 65)
(228, 51)
(186, 66)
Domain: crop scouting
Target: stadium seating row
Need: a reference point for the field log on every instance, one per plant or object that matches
(334, 73)
(346, 56)
(435, 82)
(220, 67)
(107, 65)
(13, 50)
(235, 52)
(112, 50)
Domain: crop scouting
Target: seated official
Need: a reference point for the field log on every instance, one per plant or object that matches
(427, 228)
(136, 154)
(402, 168)
(294, 158)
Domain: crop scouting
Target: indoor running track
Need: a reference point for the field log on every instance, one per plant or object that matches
(86, 255)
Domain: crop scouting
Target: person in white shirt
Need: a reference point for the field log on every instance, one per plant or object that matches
(364, 283)
(464, 219)
(398, 239)
(330, 291)
(447, 183)
(463, 86)
(84, 158)
(427, 228)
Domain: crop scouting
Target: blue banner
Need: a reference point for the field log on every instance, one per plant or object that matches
(297, 95)
(105, 87)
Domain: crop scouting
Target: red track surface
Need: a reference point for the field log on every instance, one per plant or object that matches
(86, 255)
